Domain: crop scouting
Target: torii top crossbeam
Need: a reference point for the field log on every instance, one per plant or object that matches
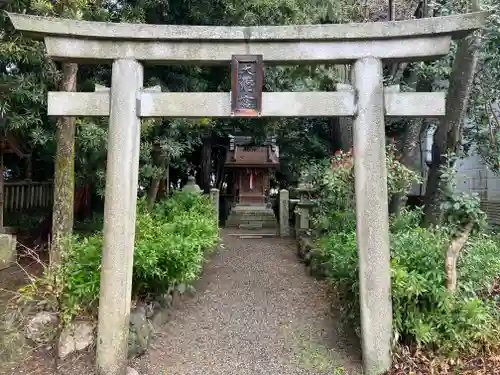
(100, 41)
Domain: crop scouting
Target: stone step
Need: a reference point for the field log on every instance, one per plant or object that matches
(251, 218)
(243, 214)
(265, 224)
(239, 220)
(251, 226)
(257, 213)
(251, 235)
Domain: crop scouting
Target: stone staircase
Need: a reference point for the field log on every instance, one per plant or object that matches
(251, 217)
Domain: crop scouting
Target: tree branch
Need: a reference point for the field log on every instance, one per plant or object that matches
(452, 255)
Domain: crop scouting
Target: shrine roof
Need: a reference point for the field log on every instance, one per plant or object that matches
(266, 156)
(241, 140)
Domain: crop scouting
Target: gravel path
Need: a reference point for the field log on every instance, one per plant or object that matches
(255, 312)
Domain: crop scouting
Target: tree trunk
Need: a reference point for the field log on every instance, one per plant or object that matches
(342, 126)
(452, 255)
(221, 159)
(206, 164)
(422, 11)
(64, 179)
(162, 189)
(392, 10)
(160, 161)
(448, 134)
(167, 179)
(2, 205)
(411, 141)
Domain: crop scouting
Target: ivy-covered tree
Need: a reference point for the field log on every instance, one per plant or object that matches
(466, 56)
(484, 108)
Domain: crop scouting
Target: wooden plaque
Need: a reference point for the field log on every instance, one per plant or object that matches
(247, 79)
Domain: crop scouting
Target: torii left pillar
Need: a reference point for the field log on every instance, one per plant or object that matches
(119, 217)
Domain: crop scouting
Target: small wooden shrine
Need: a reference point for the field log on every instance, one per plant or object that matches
(251, 165)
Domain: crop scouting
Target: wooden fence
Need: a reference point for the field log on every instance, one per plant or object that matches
(22, 196)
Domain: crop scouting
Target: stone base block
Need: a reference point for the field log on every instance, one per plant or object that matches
(251, 217)
(8, 253)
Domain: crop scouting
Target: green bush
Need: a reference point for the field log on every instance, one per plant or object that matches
(24, 222)
(170, 244)
(334, 180)
(89, 225)
(479, 263)
(424, 311)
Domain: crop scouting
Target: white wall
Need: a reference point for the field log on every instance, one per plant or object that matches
(473, 176)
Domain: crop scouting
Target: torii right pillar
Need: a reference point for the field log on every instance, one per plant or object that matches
(372, 215)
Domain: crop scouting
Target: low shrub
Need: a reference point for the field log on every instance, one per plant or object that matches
(424, 311)
(23, 222)
(170, 244)
(334, 182)
(89, 225)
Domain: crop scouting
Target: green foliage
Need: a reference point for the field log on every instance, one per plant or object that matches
(171, 241)
(458, 208)
(484, 105)
(170, 244)
(334, 182)
(425, 313)
(479, 263)
(25, 223)
(79, 277)
(483, 130)
(91, 146)
(90, 225)
(167, 140)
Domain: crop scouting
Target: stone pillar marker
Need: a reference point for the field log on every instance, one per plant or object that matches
(284, 213)
(8, 253)
(119, 218)
(304, 207)
(214, 196)
(372, 218)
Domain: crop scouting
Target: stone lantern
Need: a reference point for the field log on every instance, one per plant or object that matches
(304, 207)
(191, 186)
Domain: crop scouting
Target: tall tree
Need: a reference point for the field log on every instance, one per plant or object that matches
(64, 176)
(168, 144)
(485, 97)
(447, 138)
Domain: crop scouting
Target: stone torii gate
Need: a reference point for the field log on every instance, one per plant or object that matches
(365, 46)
